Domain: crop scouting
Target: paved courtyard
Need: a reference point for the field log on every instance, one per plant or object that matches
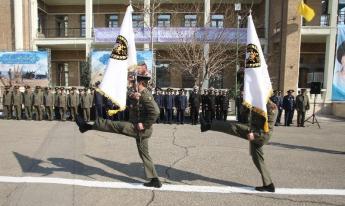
(51, 163)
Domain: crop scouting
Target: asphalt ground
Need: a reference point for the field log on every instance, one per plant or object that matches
(298, 158)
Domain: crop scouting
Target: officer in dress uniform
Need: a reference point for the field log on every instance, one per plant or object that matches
(37, 102)
(27, 101)
(181, 105)
(86, 103)
(280, 108)
(204, 103)
(143, 113)
(255, 135)
(73, 102)
(218, 100)
(158, 99)
(211, 105)
(224, 105)
(194, 103)
(99, 102)
(49, 102)
(17, 102)
(62, 103)
(56, 103)
(169, 106)
(289, 107)
(7, 103)
(276, 100)
(302, 105)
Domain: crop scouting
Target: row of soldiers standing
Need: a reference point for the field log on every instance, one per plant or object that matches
(46, 103)
(214, 105)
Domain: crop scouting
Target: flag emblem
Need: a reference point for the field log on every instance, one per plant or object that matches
(253, 56)
(120, 50)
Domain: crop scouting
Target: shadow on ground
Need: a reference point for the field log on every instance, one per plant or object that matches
(306, 148)
(130, 171)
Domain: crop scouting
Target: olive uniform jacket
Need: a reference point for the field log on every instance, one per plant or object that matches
(302, 103)
(146, 112)
(86, 101)
(37, 99)
(27, 99)
(17, 98)
(49, 99)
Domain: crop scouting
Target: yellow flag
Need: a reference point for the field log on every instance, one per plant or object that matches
(305, 11)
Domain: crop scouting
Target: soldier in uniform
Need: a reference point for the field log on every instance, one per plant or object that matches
(73, 102)
(181, 105)
(143, 113)
(255, 135)
(49, 102)
(224, 105)
(17, 102)
(302, 105)
(289, 107)
(204, 103)
(56, 103)
(62, 103)
(158, 99)
(218, 100)
(99, 102)
(169, 106)
(211, 105)
(27, 101)
(37, 102)
(194, 103)
(86, 103)
(7, 103)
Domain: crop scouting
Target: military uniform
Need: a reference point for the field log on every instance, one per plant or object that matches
(49, 102)
(181, 105)
(17, 103)
(62, 104)
(37, 102)
(194, 102)
(7, 103)
(56, 104)
(224, 105)
(204, 103)
(211, 109)
(168, 105)
(148, 113)
(27, 101)
(302, 105)
(86, 104)
(73, 102)
(289, 107)
(261, 137)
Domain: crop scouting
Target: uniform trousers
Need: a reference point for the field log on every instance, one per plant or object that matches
(74, 112)
(86, 112)
(7, 112)
(18, 111)
(38, 112)
(28, 112)
(50, 112)
(62, 111)
(142, 140)
(300, 118)
(288, 117)
(256, 149)
(194, 114)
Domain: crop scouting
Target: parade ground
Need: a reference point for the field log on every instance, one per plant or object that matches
(50, 163)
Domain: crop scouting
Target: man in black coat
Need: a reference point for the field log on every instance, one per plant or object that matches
(289, 107)
(194, 103)
(181, 105)
(224, 105)
(211, 105)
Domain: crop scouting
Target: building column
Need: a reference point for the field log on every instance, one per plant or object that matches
(207, 19)
(147, 21)
(34, 23)
(18, 24)
(290, 46)
(330, 50)
(88, 26)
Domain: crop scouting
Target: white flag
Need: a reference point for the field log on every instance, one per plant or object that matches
(123, 56)
(257, 83)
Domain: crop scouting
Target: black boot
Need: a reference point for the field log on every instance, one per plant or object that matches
(267, 188)
(153, 183)
(204, 126)
(83, 126)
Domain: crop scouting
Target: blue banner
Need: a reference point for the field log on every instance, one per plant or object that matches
(338, 87)
(99, 61)
(24, 68)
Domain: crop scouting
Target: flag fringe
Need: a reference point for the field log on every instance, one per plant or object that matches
(111, 99)
(260, 111)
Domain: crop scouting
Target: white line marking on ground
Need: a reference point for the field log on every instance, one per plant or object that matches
(168, 187)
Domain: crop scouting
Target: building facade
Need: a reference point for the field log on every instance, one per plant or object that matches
(297, 52)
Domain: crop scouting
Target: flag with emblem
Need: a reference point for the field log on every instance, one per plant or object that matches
(122, 57)
(257, 83)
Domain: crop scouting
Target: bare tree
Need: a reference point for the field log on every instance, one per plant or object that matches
(189, 55)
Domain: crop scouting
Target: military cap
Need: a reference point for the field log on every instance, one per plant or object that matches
(16, 87)
(7, 87)
(38, 87)
(290, 91)
(85, 89)
(97, 83)
(27, 87)
(73, 88)
(142, 72)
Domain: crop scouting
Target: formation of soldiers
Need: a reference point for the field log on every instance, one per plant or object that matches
(289, 104)
(44, 104)
(173, 105)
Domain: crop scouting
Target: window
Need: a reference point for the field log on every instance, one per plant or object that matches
(62, 74)
(138, 20)
(62, 26)
(217, 20)
(112, 20)
(82, 26)
(163, 20)
(190, 20)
